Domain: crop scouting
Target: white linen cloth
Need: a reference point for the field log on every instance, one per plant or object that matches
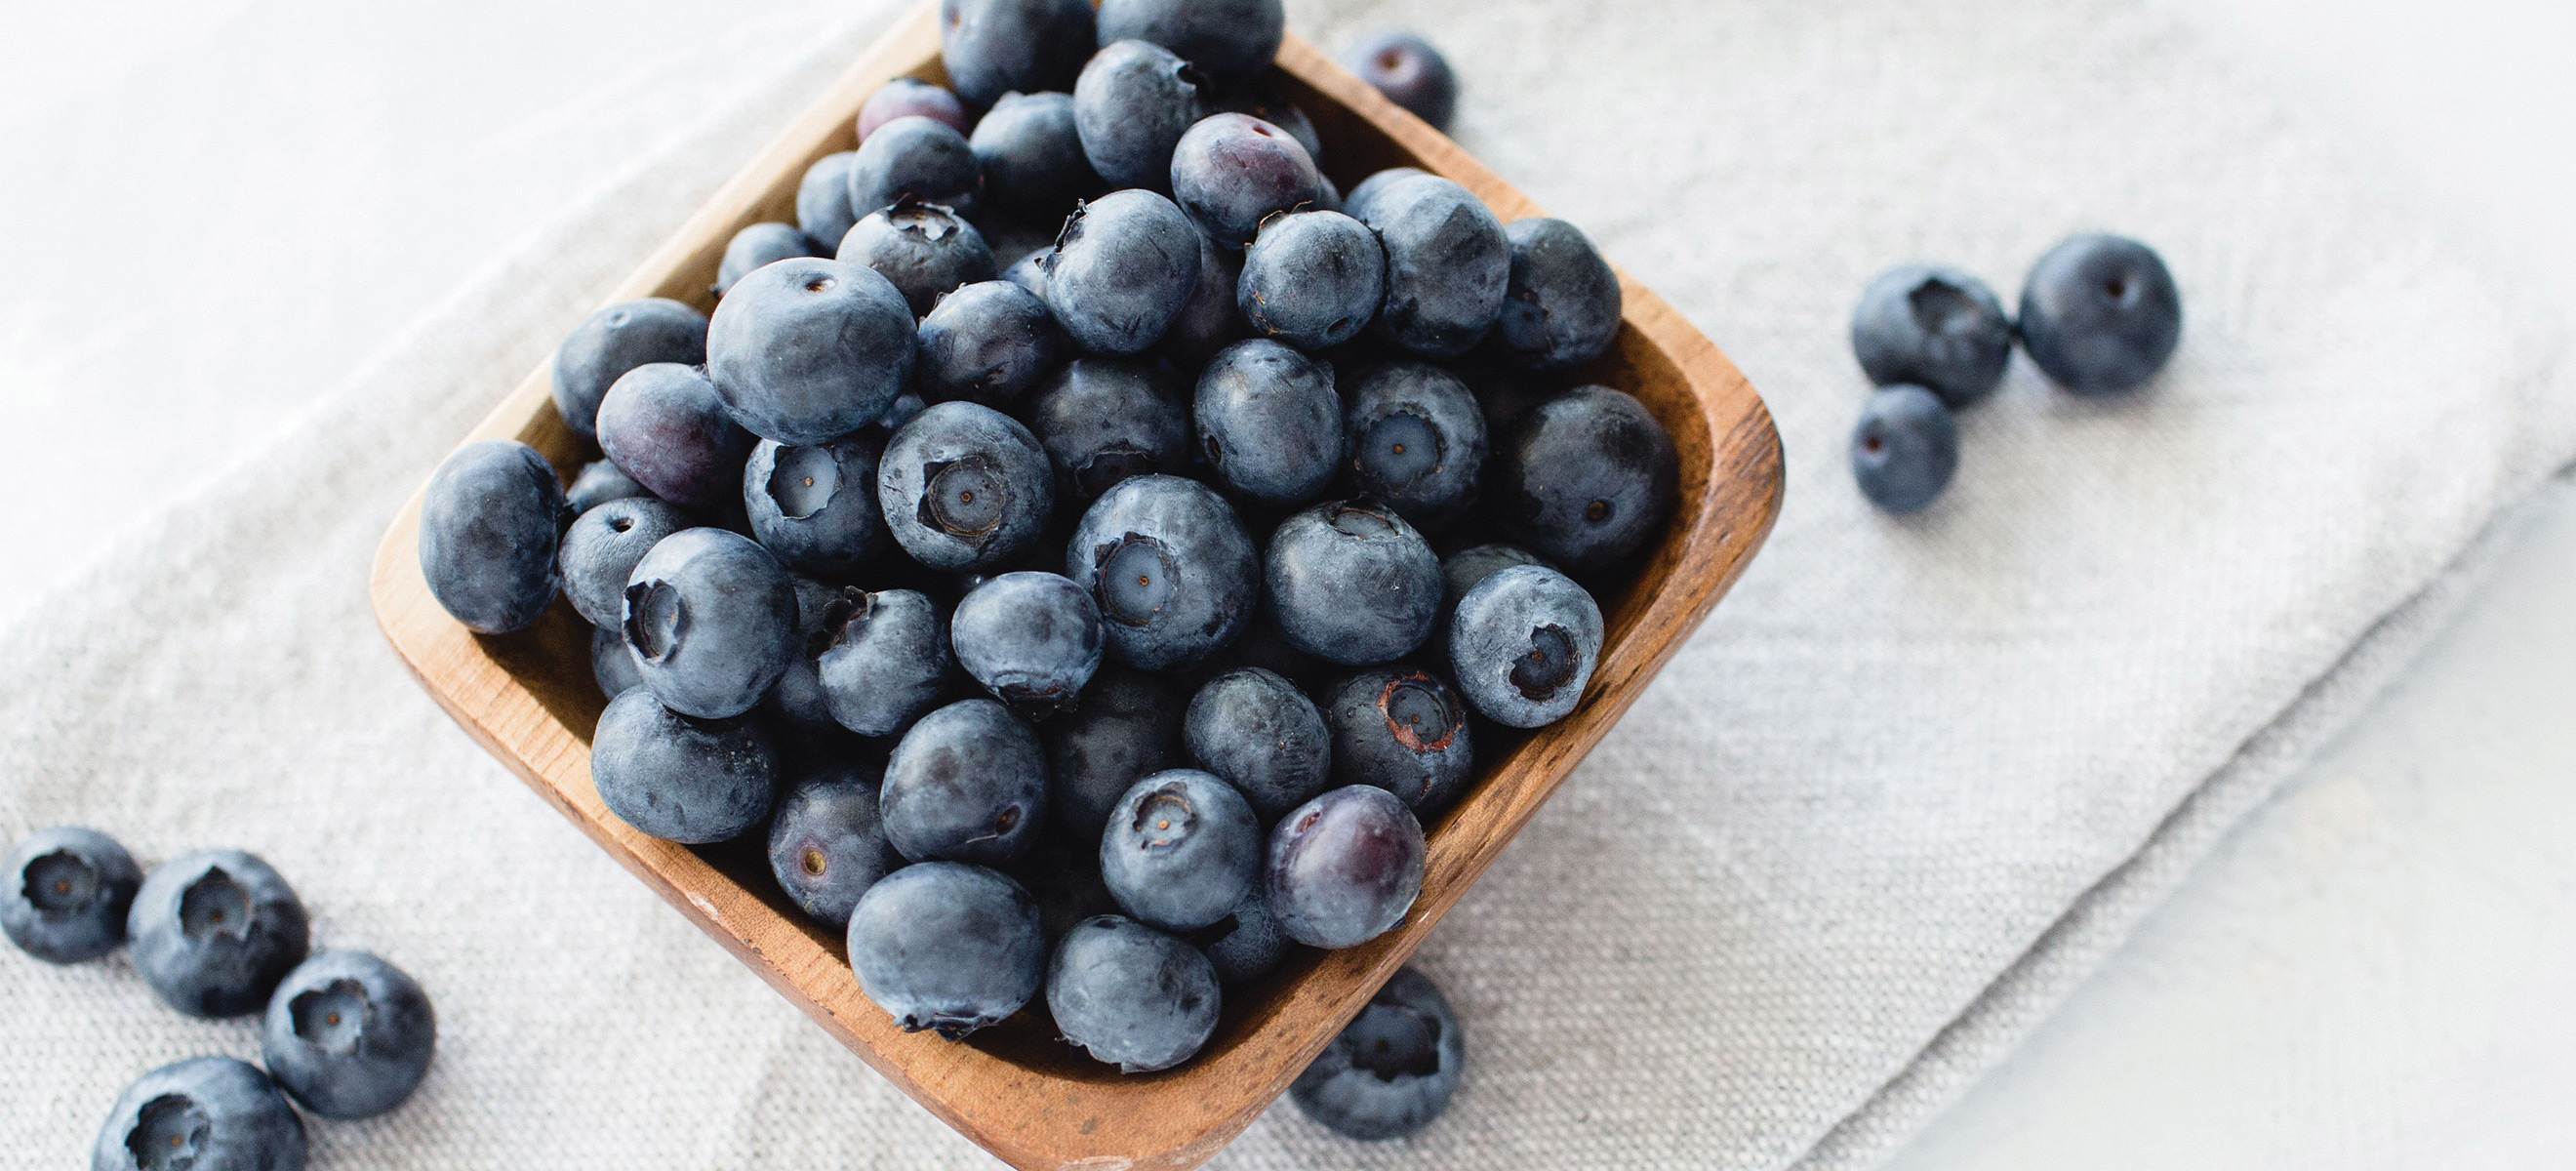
(1906, 786)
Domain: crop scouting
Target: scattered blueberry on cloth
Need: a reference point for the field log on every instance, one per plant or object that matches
(1910, 782)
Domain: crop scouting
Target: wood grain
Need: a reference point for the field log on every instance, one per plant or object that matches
(1014, 1089)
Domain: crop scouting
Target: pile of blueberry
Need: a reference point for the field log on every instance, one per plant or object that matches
(2099, 315)
(218, 934)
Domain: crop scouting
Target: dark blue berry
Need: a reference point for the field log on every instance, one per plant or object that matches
(1522, 645)
(1411, 73)
(348, 1035)
(967, 783)
(1392, 1069)
(1130, 995)
(1448, 265)
(1459, 573)
(988, 343)
(712, 620)
(1228, 38)
(947, 946)
(805, 351)
(1122, 271)
(884, 660)
(1937, 328)
(1255, 729)
(680, 778)
(66, 894)
(991, 47)
(1129, 726)
(1270, 422)
(663, 425)
(797, 704)
(1103, 420)
(1209, 322)
(1181, 850)
(1587, 478)
(1404, 731)
(2100, 314)
(1031, 155)
(1905, 448)
(203, 1114)
(1350, 581)
(1131, 105)
(827, 844)
(757, 246)
(918, 159)
(601, 550)
(1415, 440)
(619, 338)
(214, 931)
(1032, 639)
(1563, 306)
(1170, 567)
(491, 521)
(612, 666)
(1029, 272)
(599, 483)
(965, 487)
(1344, 867)
(1313, 279)
(823, 200)
(926, 249)
(815, 508)
(1246, 944)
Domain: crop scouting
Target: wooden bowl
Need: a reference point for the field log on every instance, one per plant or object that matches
(1015, 1089)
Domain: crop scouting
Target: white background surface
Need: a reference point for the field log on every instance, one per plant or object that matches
(2379, 970)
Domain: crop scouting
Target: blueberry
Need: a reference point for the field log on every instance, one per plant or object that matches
(1182, 849)
(1448, 265)
(1031, 155)
(663, 425)
(1032, 639)
(1228, 38)
(1344, 867)
(1270, 422)
(967, 783)
(348, 1035)
(1063, 874)
(906, 97)
(214, 931)
(1409, 72)
(2100, 314)
(1403, 731)
(1266, 104)
(885, 661)
(1327, 196)
(1355, 205)
(1122, 271)
(599, 483)
(619, 338)
(490, 522)
(965, 487)
(1232, 171)
(1246, 944)
(1938, 328)
(1460, 571)
(1392, 1069)
(926, 249)
(1131, 995)
(758, 245)
(1586, 479)
(1256, 730)
(1562, 309)
(203, 1114)
(918, 159)
(804, 351)
(797, 705)
(1209, 322)
(827, 844)
(612, 666)
(815, 508)
(1905, 448)
(1313, 279)
(712, 620)
(991, 47)
(823, 199)
(1170, 567)
(600, 551)
(1351, 582)
(1522, 645)
(67, 892)
(1103, 420)
(1128, 726)
(1131, 105)
(947, 946)
(1416, 441)
(680, 778)
(907, 407)
(1029, 272)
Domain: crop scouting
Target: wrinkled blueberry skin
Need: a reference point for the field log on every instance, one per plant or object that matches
(1103, 420)
(906, 97)
(886, 660)
(804, 351)
(1356, 204)
(1031, 155)
(1130, 995)
(1411, 73)
(663, 425)
(1256, 730)
(967, 783)
(827, 845)
(815, 508)
(601, 548)
(214, 931)
(1414, 439)
(1937, 328)
(1587, 478)
(2100, 314)
(1131, 105)
(1209, 322)
(926, 249)
(1402, 731)
(1448, 265)
(823, 200)
(599, 483)
(1182, 849)
(1032, 639)
(1392, 1070)
(1344, 867)
(67, 893)
(757, 246)
(678, 778)
(947, 946)
(619, 338)
(1122, 271)
(1246, 944)
(1313, 279)
(1563, 304)
(1128, 727)
(1170, 567)
(965, 487)
(1029, 272)
(1905, 448)
(1351, 582)
(711, 618)
(225, 1114)
(1522, 646)
(915, 158)
(1232, 171)
(991, 47)
(1270, 422)
(612, 666)
(988, 343)
(490, 523)
(1228, 38)
(1263, 103)
(348, 1035)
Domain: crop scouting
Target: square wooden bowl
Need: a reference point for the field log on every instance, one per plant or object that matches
(1016, 1089)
